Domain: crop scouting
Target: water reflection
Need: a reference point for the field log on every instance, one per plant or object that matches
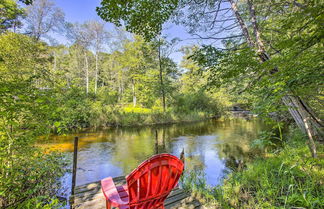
(211, 146)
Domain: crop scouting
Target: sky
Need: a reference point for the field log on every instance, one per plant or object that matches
(80, 11)
(85, 10)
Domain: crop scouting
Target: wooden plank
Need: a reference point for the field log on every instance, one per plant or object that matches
(95, 185)
(94, 188)
(174, 199)
(89, 196)
(87, 187)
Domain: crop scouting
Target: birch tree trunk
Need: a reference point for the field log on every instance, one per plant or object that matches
(87, 71)
(303, 120)
(96, 74)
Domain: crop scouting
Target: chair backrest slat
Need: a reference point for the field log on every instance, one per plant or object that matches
(159, 178)
(150, 183)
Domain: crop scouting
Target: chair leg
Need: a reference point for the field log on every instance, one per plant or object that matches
(108, 205)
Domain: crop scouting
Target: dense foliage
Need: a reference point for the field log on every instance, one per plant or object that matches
(27, 175)
(141, 17)
(295, 37)
(9, 15)
(124, 88)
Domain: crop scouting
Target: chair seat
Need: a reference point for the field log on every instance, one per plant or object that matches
(117, 195)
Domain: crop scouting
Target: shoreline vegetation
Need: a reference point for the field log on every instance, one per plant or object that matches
(77, 110)
(285, 176)
(134, 117)
(166, 119)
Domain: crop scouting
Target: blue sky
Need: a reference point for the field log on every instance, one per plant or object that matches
(84, 10)
(79, 10)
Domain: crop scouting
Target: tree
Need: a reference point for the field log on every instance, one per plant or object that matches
(192, 79)
(24, 112)
(134, 62)
(98, 35)
(43, 17)
(140, 17)
(82, 38)
(113, 74)
(165, 48)
(27, 2)
(239, 25)
(10, 15)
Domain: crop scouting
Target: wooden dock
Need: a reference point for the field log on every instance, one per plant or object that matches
(90, 196)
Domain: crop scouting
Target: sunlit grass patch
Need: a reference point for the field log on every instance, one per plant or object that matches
(140, 110)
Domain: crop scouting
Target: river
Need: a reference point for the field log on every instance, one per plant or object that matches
(213, 147)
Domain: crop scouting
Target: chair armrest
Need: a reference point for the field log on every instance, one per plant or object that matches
(110, 191)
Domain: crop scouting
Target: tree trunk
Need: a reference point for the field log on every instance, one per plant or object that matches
(96, 75)
(161, 77)
(304, 121)
(134, 93)
(242, 23)
(87, 71)
(121, 86)
(303, 117)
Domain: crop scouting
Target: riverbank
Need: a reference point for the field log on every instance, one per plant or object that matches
(131, 117)
(105, 116)
(287, 177)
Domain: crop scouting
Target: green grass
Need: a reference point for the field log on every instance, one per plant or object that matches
(136, 116)
(287, 178)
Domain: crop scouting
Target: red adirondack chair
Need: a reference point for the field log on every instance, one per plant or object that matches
(147, 186)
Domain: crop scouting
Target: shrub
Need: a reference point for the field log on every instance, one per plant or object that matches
(186, 103)
(71, 110)
(291, 179)
(27, 174)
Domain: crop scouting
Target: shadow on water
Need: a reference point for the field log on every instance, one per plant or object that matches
(214, 147)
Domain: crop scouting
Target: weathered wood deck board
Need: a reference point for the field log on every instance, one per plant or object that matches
(89, 196)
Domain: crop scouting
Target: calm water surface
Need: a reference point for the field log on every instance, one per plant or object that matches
(214, 147)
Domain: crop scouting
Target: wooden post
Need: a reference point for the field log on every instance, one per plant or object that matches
(182, 156)
(75, 161)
